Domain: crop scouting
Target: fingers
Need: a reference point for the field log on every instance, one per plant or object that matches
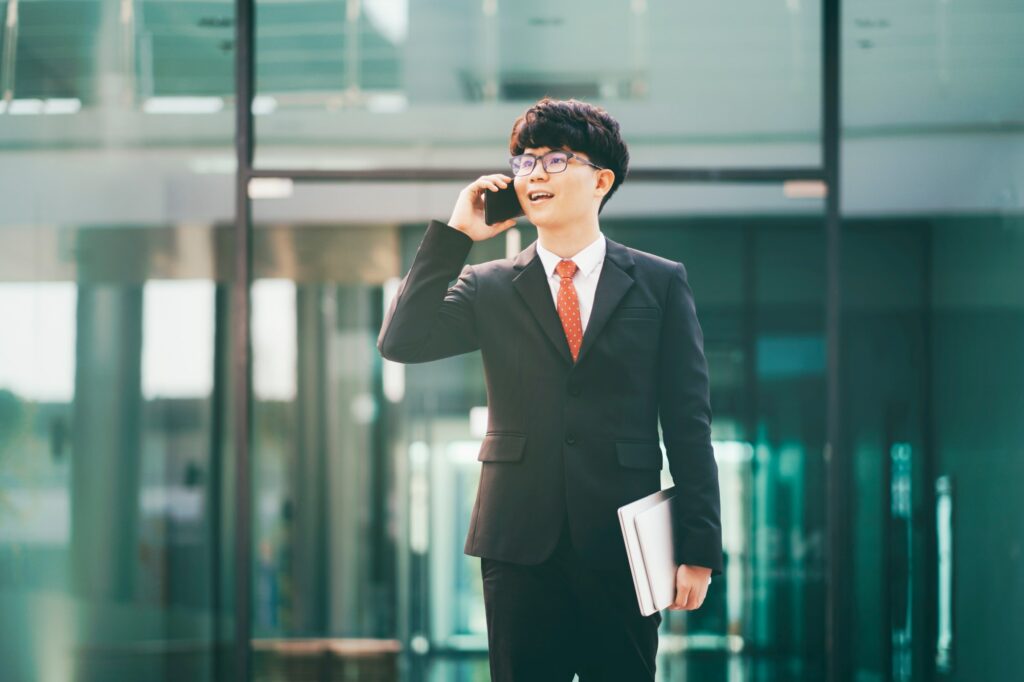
(688, 598)
(498, 179)
(493, 182)
(498, 228)
(697, 596)
(682, 594)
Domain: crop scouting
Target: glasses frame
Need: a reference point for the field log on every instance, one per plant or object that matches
(545, 161)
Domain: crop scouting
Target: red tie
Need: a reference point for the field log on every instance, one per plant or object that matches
(569, 307)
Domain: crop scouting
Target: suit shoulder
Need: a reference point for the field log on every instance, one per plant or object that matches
(652, 263)
(492, 270)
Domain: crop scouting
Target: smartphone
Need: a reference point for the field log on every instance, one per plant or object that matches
(502, 205)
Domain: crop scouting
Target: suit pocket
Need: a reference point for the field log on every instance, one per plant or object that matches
(638, 454)
(502, 447)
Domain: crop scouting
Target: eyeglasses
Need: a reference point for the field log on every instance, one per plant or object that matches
(553, 162)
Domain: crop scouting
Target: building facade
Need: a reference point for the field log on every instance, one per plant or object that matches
(190, 298)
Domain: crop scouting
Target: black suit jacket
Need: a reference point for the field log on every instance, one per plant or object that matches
(578, 438)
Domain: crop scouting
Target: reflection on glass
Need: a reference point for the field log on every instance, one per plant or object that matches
(326, 490)
(934, 321)
(177, 349)
(944, 532)
(37, 379)
(389, 83)
(111, 414)
(114, 555)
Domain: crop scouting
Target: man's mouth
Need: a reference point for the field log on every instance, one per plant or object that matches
(539, 197)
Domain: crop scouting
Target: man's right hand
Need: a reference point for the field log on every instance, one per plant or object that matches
(468, 214)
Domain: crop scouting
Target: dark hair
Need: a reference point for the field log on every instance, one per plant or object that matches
(581, 127)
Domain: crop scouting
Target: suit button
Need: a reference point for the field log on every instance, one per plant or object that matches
(570, 439)
(574, 389)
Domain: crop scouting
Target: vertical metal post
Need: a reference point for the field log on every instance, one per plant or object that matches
(240, 342)
(837, 640)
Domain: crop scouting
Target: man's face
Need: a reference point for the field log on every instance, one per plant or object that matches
(576, 191)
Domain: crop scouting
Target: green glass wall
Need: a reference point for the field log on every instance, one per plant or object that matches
(934, 316)
(115, 257)
(114, 559)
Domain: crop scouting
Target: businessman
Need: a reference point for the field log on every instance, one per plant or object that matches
(585, 344)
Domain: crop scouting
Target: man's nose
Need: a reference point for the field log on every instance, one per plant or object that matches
(538, 171)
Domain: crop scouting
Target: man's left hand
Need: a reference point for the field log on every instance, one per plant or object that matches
(691, 587)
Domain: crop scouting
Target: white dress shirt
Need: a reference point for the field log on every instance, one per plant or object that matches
(588, 263)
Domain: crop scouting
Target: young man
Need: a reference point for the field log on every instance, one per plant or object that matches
(585, 343)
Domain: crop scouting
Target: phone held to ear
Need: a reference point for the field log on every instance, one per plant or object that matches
(502, 205)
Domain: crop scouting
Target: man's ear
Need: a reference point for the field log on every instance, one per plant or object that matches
(605, 180)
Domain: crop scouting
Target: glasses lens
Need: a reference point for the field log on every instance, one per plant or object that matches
(555, 162)
(522, 164)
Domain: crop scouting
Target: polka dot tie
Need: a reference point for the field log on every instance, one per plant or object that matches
(569, 307)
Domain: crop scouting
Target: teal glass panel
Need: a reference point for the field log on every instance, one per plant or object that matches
(934, 321)
(941, 67)
(112, 438)
(931, 383)
(115, 437)
(328, 487)
(362, 84)
(119, 75)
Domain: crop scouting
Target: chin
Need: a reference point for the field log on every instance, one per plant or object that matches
(546, 223)
(552, 221)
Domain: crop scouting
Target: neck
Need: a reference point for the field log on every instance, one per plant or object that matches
(567, 242)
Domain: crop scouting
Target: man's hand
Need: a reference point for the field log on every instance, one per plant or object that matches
(691, 587)
(468, 214)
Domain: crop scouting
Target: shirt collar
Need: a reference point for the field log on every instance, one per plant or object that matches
(586, 260)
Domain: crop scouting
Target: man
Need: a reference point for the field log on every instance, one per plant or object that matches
(585, 342)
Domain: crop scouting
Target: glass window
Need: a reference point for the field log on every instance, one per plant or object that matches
(396, 84)
(933, 324)
(115, 255)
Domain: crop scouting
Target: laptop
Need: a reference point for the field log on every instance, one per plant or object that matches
(647, 531)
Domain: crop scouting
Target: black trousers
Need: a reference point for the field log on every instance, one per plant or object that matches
(562, 617)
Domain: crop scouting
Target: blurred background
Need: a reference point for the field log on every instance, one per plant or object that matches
(866, 355)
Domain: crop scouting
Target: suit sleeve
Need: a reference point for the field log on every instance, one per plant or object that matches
(427, 320)
(684, 407)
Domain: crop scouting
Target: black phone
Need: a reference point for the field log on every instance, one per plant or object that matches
(502, 205)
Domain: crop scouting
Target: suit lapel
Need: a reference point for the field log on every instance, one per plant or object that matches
(531, 283)
(615, 280)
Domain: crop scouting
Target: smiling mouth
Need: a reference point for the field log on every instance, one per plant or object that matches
(539, 197)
